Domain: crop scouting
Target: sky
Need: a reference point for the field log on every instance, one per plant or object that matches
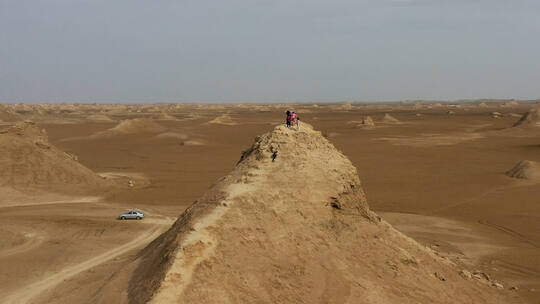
(214, 51)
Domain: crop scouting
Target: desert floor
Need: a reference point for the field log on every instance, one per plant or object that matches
(438, 177)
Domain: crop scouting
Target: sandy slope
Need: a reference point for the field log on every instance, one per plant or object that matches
(224, 119)
(28, 160)
(297, 230)
(423, 170)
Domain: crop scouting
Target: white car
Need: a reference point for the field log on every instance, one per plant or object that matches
(132, 214)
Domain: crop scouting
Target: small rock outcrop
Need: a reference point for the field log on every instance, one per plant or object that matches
(525, 169)
(367, 122)
(529, 119)
(390, 119)
(496, 114)
(224, 119)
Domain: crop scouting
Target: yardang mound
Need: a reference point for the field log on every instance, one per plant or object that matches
(99, 118)
(128, 127)
(138, 125)
(165, 116)
(390, 119)
(531, 118)
(297, 230)
(28, 160)
(224, 119)
(367, 122)
(525, 169)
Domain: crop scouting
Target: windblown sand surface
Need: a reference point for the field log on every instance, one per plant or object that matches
(440, 179)
(426, 140)
(99, 118)
(171, 135)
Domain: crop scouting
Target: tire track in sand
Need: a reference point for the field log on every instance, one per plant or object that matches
(86, 199)
(28, 292)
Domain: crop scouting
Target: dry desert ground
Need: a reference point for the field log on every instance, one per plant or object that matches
(394, 203)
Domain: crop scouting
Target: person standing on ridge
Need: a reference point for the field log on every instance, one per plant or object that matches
(288, 121)
(274, 155)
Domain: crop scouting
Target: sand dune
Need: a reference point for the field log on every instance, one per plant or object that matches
(297, 230)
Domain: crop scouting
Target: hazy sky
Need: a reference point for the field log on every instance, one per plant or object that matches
(249, 50)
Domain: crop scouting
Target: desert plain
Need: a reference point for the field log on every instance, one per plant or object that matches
(462, 179)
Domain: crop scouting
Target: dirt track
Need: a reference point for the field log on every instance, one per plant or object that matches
(30, 291)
